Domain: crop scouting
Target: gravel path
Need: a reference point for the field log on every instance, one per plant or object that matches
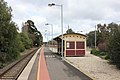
(96, 67)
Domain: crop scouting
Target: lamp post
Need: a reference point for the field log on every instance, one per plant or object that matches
(47, 32)
(45, 36)
(51, 31)
(95, 37)
(61, 6)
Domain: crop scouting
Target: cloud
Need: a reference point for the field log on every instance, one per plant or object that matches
(78, 14)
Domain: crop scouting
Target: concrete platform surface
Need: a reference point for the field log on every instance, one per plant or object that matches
(61, 70)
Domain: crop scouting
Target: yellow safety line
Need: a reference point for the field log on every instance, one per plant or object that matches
(38, 72)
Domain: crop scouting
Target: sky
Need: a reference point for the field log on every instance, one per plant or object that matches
(80, 15)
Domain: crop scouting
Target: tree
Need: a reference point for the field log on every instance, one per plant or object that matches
(108, 40)
(70, 31)
(114, 47)
(8, 34)
(26, 41)
(91, 38)
(103, 33)
(33, 33)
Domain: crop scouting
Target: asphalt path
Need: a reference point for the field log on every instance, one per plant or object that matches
(61, 70)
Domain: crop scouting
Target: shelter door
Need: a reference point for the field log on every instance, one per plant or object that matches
(70, 46)
(80, 48)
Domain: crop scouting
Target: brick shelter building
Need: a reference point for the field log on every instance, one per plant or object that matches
(74, 44)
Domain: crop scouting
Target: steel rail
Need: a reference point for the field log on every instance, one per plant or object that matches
(13, 72)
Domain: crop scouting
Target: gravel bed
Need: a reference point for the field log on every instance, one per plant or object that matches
(97, 68)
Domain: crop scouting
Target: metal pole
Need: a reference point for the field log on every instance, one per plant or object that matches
(52, 36)
(45, 37)
(49, 40)
(62, 29)
(61, 25)
(95, 37)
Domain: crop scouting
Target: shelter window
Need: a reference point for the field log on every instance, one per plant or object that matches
(70, 45)
(80, 45)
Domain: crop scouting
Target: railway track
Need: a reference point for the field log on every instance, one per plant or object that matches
(13, 72)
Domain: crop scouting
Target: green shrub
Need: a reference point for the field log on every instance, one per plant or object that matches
(103, 53)
(99, 53)
(21, 47)
(27, 42)
(114, 47)
(13, 53)
(107, 57)
(95, 52)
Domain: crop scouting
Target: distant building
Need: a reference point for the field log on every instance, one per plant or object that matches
(74, 44)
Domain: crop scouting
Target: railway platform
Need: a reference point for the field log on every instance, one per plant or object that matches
(30, 70)
(50, 66)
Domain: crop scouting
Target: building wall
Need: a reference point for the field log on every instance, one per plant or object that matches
(76, 39)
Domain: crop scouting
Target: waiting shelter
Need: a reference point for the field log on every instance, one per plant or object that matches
(74, 44)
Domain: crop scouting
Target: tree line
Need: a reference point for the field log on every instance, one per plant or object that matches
(108, 41)
(11, 41)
